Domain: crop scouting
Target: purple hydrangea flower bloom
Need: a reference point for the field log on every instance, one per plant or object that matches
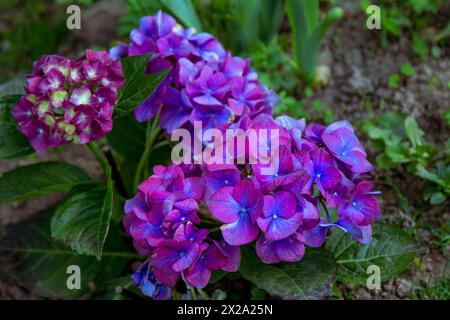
(217, 85)
(209, 88)
(288, 249)
(345, 146)
(362, 207)
(217, 179)
(287, 170)
(187, 232)
(238, 207)
(322, 170)
(211, 258)
(175, 255)
(233, 253)
(280, 218)
(143, 223)
(144, 279)
(168, 216)
(177, 111)
(69, 101)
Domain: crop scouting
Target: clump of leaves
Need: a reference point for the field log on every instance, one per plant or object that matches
(22, 31)
(433, 290)
(274, 67)
(308, 30)
(183, 10)
(401, 142)
(415, 17)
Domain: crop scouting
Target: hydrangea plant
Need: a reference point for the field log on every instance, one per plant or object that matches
(190, 223)
(69, 100)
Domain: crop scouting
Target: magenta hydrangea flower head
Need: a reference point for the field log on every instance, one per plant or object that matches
(204, 83)
(284, 210)
(191, 219)
(163, 219)
(69, 101)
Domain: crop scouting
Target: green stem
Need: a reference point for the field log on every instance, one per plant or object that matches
(92, 146)
(194, 295)
(160, 144)
(203, 294)
(152, 133)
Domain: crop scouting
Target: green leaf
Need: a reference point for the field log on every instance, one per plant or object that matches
(128, 137)
(310, 278)
(394, 81)
(258, 294)
(138, 86)
(420, 47)
(245, 22)
(398, 153)
(29, 255)
(407, 69)
(12, 87)
(82, 219)
(383, 161)
(447, 113)
(39, 179)
(308, 32)
(270, 18)
(217, 276)
(437, 198)
(429, 175)
(392, 249)
(414, 133)
(12, 143)
(184, 11)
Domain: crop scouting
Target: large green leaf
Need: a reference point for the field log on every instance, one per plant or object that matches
(128, 137)
(392, 249)
(29, 255)
(12, 143)
(39, 179)
(184, 11)
(270, 17)
(310, 278)
(12, 87)
(138, 86)
(414, 133)
(82, 219)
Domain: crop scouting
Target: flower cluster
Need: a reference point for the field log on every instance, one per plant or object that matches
(205, 83)
(162, 219)
(69, 100)
(320, 181)
(145, 280)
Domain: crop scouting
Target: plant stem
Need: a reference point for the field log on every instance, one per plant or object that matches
(152, 133)
(203, 294)
(326, 210)
(92, 146)
(117, 177)
(214, 229)
(160, 144)
(194, 295)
